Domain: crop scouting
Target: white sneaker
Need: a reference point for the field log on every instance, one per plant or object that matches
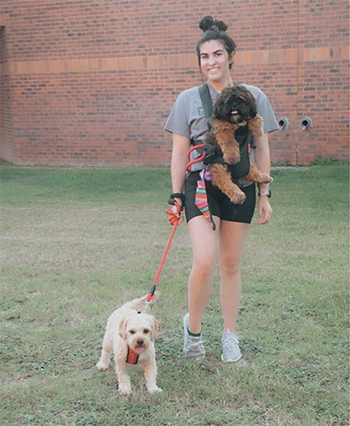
(230, 348)
(193, 346)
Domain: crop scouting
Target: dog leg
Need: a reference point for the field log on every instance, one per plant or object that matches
(255, 175)
(224, 133)
(123, 378)
(222, 179)
(151, 376)
(103, 363)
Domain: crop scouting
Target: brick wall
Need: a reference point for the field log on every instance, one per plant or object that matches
(87, 82)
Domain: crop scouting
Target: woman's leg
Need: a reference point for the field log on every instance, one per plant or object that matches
(232, 239)
(204, 248)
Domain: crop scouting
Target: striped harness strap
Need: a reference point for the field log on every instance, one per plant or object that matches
(201, 201)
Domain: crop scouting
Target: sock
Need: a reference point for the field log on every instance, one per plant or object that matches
(193, 334)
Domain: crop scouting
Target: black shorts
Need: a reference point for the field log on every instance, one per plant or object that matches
(220, 205)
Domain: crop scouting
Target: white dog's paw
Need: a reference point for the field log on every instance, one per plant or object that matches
(101, 366)
(155, 389)
(125, 391)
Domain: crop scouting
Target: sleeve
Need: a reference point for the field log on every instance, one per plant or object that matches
(177, 121)
(265, 110)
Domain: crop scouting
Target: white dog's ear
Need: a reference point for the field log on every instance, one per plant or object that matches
(122, 329)
(154, 332)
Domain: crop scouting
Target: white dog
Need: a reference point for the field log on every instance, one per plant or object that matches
(131, 335)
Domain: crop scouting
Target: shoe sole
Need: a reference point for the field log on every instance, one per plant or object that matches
(199, 358)
(230, 360)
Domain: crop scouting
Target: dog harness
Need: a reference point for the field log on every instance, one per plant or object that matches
(132, 357)
(243, 137)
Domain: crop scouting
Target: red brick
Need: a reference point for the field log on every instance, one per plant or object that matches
(95, 81)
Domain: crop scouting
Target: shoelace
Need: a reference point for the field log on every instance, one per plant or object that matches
(192, 344)
(230, 340)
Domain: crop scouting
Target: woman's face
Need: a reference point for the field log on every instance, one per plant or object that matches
(215, 61)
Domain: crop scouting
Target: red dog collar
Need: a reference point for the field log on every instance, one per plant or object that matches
(132, 357)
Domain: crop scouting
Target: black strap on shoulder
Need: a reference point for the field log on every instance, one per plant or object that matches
(207, 103)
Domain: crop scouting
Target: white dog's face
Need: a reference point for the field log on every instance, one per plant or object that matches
(139, 331)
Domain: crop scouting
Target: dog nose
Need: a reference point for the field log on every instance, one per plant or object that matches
(140, 342)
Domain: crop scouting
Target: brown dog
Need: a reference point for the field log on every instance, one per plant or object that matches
(234, 107)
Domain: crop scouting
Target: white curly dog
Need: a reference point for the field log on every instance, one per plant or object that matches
(130, 333)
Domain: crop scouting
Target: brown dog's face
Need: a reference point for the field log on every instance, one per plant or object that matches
(139, 331)
(235, 104)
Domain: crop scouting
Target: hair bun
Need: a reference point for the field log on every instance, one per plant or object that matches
(208, 22)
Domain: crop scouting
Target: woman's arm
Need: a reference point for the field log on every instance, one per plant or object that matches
(181, 145)
(262, 159)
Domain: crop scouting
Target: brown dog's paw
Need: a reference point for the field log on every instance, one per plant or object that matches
(238, 198)
(265, 178)
(255, 175)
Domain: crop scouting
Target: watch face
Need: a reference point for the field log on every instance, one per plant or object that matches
(265, 192)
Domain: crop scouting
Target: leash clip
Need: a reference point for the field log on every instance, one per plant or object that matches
(146, 306)
(149, 297)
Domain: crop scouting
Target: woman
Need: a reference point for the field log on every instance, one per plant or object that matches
(187, 123)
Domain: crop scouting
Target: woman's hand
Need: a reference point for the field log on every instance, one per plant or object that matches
(264, 210)
(175, 216)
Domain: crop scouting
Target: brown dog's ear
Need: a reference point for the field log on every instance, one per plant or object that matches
(154, 332)
(219, 107)
(122, 329)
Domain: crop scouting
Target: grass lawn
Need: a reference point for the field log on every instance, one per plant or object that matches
(77, 243)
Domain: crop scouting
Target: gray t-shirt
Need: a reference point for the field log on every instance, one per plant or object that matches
(187, 116)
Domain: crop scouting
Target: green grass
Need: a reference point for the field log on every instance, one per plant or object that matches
(77, 243)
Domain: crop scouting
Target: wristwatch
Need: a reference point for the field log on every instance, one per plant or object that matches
(265, 192)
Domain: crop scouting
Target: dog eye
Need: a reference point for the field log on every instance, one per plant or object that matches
(146, 331)
(132, 331)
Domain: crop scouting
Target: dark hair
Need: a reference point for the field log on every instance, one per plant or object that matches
(215, 30)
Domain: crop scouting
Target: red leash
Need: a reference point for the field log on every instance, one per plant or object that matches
(153, 288)
(175, 223)
(197, 160)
